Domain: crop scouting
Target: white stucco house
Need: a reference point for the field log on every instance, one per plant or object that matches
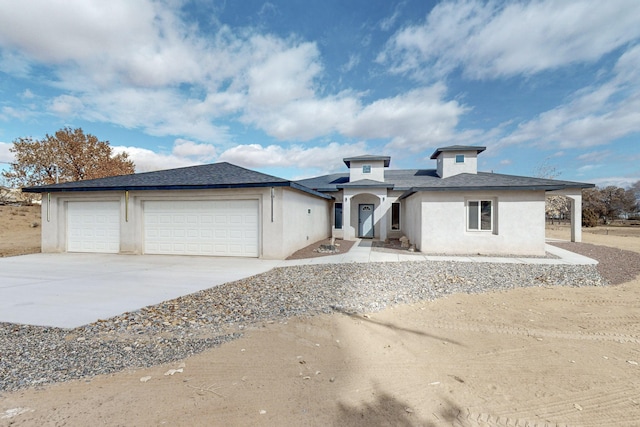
(225, 210)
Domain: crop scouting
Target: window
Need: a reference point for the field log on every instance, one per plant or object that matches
(366, 169)
(395, 216)
(459, 158)
(480, 215)
(337, 216)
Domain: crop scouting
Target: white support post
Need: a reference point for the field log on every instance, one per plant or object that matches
(346, 218)
(576, 217)
(383, 218)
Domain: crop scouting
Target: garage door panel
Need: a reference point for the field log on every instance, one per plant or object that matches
(218, 228)
(93, 227)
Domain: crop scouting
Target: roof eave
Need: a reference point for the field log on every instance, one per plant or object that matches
(45, 189)
(478, 149)
(545, 188)
(385, 159)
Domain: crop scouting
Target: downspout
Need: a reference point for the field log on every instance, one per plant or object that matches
(126, 206)
(273, 194)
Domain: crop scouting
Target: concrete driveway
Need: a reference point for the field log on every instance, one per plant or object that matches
(70, 290)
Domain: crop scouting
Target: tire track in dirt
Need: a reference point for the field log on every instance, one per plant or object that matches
(611, 405)
(597, 302)
(537, 333)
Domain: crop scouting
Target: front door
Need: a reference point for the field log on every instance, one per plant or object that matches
(365, 221)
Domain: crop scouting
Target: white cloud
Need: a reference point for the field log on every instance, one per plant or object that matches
(148, 160)
(5, 155)
(594, 115)
(286, 74)
(137, 65)
(415, 120)
(65, 105)
(494, 39)
(387, 23)
(354, 60)
(594, 156)
(142, 42)
(323, 159)
(618, 181)
(190, 149)
(587, 168)
(158, 112)
(23, 112)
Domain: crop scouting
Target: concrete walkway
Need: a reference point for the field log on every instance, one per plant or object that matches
(70, 290)
(363, 251)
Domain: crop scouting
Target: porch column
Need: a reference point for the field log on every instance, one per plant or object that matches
(346, 218)
(576, 217)
(383, 218)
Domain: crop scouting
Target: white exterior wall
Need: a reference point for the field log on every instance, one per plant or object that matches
(411, 213)
(518, 226)
(377, 170)
(276, 239)
(447, 165)
(305, 220)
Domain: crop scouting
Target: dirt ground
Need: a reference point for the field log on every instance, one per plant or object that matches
(19, 230)
(542, 356)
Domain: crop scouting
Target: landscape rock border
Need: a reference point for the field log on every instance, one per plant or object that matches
(190, 324)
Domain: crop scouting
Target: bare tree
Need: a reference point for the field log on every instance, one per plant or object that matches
(556, 207)
(69, 155)
(635, 188)
(608, 203)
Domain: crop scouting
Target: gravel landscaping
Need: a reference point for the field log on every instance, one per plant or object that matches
(616, 265)
(187, 325)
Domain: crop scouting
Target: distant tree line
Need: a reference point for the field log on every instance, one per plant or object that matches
(603, 205)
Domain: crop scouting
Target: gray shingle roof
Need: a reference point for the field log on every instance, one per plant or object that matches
(413, 180)
(226, 175)
(217, 175)
(365, 183)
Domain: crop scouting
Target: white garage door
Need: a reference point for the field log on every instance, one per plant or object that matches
(218, 228)
(93, 227)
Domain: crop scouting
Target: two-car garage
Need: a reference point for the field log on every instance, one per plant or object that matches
(180, 227)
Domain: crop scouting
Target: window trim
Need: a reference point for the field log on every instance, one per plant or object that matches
(335, 215)
(479, 203)
(459, 158)
(399, 217)
(366, 169)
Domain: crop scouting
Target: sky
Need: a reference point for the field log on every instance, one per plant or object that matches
(290, 88)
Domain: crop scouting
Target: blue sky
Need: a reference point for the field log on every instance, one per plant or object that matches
(292, 87)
